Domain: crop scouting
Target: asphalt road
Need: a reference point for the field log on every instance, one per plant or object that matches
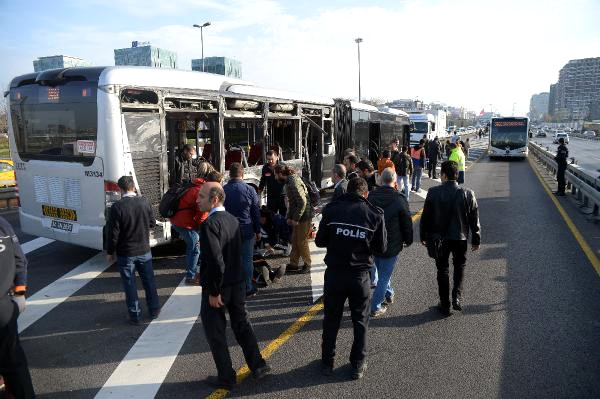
(530, 324)
(586, 152)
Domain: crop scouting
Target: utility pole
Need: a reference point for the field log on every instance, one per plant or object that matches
(358, 42)
(202, 39)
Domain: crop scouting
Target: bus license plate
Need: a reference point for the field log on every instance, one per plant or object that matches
(64, 226)
(59, 213)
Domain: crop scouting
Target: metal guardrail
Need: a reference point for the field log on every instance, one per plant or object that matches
(583, 185)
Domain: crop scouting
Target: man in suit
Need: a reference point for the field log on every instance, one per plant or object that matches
(223, 286)
(338, 176)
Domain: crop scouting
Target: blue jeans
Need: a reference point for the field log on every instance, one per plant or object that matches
(403, 185)
(127, 267)
(416, 178)
(385, 268)
(192, 250)
(247, 263)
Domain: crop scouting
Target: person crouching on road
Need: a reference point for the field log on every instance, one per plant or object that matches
(129, 224)
(353, 230)
(299, 216)
(398, 225)
(449, 215)
(13, 284)
(242, 202)
(186, 223)
(223, 287)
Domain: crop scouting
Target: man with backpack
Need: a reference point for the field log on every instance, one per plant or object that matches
(404, 168)
(299, 215)
(449, 215)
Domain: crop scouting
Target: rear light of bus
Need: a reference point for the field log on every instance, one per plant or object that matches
(112, 192)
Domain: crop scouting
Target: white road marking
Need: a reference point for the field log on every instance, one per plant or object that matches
(56, 293)
(34, 244)
(143, 370)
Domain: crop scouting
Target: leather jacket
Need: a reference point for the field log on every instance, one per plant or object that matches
(450, 214)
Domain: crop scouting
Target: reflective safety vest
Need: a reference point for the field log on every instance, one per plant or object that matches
(457, 155)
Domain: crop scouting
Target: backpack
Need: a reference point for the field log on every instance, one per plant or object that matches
(169, 203)
(313, 192)
(402, 165)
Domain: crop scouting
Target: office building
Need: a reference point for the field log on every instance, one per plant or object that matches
(538, 106)
(219, 65)
(143, 54)
(57, 62)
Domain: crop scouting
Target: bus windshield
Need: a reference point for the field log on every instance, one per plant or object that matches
(511, 134)
(56, 123)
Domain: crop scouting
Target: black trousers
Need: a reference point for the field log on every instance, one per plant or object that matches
(13, 364)
(339, 286)
(214, 323)
(560, 178)
(276, 203)
(431, 168)
(458, 249)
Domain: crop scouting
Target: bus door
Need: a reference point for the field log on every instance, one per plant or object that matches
(319, 149)
(374, 142)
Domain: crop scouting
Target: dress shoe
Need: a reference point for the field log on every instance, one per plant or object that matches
(261, 372)
(154, 314)
(456, 304)
(444, 309)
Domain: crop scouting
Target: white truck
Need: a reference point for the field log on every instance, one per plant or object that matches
(430, 124)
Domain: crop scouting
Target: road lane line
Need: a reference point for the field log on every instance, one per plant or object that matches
(34, 244)
(143, 370)
(589, 252)
(56, 293)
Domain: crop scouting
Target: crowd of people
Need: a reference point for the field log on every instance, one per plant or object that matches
(364, 228)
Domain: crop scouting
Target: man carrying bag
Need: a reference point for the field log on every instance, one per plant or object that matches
(450, 214)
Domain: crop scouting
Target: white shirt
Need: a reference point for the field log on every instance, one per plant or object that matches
(217, 209)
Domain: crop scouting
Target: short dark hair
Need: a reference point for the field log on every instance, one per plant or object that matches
(270, 153)
(217, 192)
(386, 153)
(284, 169)
(339, 170)
(357, 185)
(189, 147)
(365, 165)
(353, 159)
(214, 176)
(404, 148)
(236, 170)
(561, 140)
(126, 183)
(450, 169)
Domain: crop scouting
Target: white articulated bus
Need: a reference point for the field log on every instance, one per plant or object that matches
(509, 137)
(75, 131)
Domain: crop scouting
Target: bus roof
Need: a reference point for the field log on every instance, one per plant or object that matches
(278, 94)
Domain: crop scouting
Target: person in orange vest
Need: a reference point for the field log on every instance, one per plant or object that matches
(385, 162)
(417, 153)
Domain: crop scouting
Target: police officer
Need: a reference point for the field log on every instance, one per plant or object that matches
(562, 153)
(13, 280)
(352, 230)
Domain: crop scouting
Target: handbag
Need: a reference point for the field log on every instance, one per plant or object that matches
(436, 241)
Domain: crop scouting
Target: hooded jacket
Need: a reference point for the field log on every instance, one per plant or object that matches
(398, 223)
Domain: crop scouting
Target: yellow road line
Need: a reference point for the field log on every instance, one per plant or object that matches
(589, 252)
(244, 371)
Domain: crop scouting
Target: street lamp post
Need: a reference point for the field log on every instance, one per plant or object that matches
(204, 25)
(358, 42)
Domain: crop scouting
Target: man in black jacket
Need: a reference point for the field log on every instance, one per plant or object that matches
(275, 193)
(223, 286)
(186, 166)
(352, 230)
(450, 214)
(398, 225)
(129, 224)
(434, 153)
(338, 176)
(562, 153)
(350, 162)
(13, 283)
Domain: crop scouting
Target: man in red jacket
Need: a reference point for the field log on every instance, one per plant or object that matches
(186, 222)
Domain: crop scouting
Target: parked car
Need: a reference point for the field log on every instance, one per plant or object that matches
(541, 133)
(7, 173)
(561, 135)
(589, 133)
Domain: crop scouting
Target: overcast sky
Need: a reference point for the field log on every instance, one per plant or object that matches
(460, 52)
